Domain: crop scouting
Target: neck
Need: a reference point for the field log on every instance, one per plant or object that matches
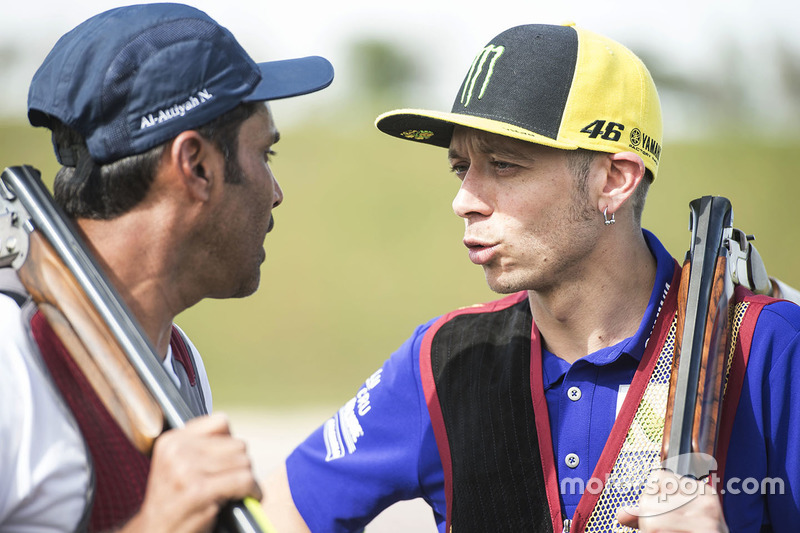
(604, 306)
(132, 255)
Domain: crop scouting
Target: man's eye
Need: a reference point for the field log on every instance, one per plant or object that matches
(502, 165)
(459, 170)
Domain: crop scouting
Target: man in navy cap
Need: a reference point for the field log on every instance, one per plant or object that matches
(158, 117)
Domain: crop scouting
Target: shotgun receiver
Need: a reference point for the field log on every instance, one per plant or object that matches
(76, 298)
(720, 257)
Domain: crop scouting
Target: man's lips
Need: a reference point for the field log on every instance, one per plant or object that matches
(480, 252)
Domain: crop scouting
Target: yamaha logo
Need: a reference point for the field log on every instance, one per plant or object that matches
(645, 143)
(636, 136)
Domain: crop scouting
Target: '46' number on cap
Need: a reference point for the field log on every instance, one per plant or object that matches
(609, 131)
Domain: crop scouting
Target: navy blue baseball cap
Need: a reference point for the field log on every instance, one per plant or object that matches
(134, 77)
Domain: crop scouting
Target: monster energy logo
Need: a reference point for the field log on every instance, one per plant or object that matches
(476, 69)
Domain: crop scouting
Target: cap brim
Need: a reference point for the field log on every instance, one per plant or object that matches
(291, 77)
(436, 127)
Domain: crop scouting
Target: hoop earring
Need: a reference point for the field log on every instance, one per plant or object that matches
(608, 221)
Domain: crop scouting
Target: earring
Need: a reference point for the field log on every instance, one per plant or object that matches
(607, 221)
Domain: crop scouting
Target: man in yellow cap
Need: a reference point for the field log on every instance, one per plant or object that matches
(544, 410)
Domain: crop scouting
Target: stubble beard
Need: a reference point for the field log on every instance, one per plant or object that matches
(249, 277)
(579, 217)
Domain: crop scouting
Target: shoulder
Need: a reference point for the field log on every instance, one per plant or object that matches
(483, 309)
(775, 343)
(409, 351)
(16, 370)
(781, 314)
(487, 322)
(13, 367)
(491, 306)
(43, 452)
(778, 320)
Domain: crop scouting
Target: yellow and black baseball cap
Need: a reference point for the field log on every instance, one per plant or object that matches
(559, 86)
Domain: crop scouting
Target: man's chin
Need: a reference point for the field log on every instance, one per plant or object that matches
(502, 286)
(246, 288)
(249, 289)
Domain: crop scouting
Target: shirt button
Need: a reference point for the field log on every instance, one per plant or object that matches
(572, 460)
(574, 394)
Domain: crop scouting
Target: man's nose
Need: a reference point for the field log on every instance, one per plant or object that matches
(472, 197)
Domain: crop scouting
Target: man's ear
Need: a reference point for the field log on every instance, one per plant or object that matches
(194, 159)
(625, 170)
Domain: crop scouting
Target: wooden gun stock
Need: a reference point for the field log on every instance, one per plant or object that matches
(91, 344)
(94, 324)
(701, 343)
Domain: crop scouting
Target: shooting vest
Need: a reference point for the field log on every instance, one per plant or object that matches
(119, 470)
(482, 377)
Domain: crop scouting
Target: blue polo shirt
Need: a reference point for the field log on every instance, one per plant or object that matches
(583, 398)
(379, 447)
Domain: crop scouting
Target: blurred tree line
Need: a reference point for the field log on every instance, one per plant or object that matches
(748, 91)
(739, 98)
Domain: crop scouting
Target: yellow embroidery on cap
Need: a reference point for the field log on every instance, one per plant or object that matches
(417, 135)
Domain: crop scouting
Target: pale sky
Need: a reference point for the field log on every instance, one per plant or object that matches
(446, 34)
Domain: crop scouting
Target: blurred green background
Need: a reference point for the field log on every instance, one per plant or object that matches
(366, 247)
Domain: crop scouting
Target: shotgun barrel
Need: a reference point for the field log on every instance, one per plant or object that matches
(691, 428)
